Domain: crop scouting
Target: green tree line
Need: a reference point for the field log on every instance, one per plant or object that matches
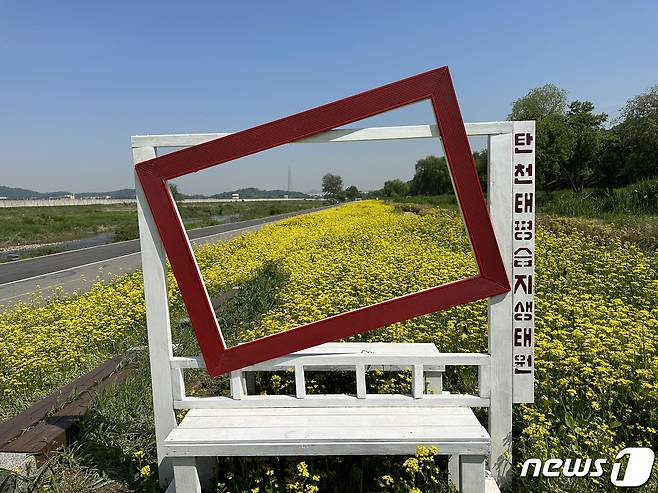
(576, 147)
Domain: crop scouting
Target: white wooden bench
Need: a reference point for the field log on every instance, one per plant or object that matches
(244, 424)
(339, 424)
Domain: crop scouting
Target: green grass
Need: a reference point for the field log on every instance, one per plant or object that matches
(629, 213)
(37, 225)
(628, 205)
(446, 201)
(30, 225)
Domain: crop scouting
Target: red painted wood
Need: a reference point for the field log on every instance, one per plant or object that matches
(434, 85)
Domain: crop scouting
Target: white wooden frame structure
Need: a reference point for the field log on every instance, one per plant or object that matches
(505, 372)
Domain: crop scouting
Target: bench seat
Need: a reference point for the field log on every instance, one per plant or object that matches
(327, 431)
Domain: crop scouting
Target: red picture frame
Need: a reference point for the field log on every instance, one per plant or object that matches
(435, 85)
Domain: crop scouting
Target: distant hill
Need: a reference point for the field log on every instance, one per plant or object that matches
(129, 193)
(22, 193)
(25, 194)
(124, 193)
(256, 193)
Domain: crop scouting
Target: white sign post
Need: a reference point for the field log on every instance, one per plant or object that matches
(523, 260)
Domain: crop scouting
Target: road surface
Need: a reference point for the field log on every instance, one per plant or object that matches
(39, 279)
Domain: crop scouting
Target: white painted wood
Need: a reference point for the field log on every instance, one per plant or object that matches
(333, 400)
(490, 485)
(154, 268)
(323, 411)
(310, 448)
(360, 431)
(434, 381)
(360, 371)
(187, 362)
(523, 263)
(336, 135)
(177, 384)
(453, 470)
(186, 476)
(175, 140)
(235, 380)
(330, 356)
(500, 310)
(300, 382)
(471, 473)
(417, 382)
(317, 420)
(484, 381)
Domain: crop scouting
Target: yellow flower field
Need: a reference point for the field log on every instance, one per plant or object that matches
(596, 330)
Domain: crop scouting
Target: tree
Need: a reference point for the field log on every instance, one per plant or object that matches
(638, 137)
(587, 133)
(431, 177)
(539, 103)
(395, 188)
(554, 146)
(332, 185)
(555, 141)
(352, 192)
(177, 196)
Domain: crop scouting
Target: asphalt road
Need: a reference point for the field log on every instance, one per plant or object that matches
(40, 278)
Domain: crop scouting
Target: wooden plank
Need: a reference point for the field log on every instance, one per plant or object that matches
(177, 384)
(500, 309)
(328, 420)
(186, 476)
(235, 380)
(336, 135)
(360, 374)
(417, 382)
(319, 434)
(453, 470)
(490, 485)
(471, 473)
(154, 268)
(331, 358)
(54, 431)
(305, 448)
(484, 381)
(300, 382)
(246, 412)
(341, 400)
(434, 381)
(13, 427)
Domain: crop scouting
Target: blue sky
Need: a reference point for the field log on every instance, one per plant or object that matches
(78, 78)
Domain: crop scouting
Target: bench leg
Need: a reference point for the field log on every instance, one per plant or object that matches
(453, 470)
(471, 473)
(186, 476)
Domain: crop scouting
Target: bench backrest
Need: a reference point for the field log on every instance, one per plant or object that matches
(423, 360)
